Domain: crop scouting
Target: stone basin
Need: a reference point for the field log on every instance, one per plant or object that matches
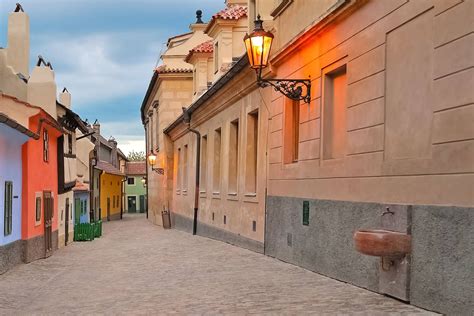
(382, 243)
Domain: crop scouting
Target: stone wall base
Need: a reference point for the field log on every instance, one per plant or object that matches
(35, 248)
(186, 224)
(440, 277)
(11, 255)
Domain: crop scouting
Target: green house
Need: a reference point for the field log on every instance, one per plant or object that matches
(135, 190)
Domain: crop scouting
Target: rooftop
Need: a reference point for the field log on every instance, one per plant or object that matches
(206, 47)
(231, 12)
(107, 167)
(135, 168)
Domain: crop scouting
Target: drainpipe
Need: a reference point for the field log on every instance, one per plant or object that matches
(187, 121)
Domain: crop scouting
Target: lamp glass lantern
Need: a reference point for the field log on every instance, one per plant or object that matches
(152, 159)
(258, 45)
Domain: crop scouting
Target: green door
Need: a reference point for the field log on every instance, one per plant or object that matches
(77, 211)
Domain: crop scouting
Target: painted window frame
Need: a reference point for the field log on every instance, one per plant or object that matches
(131, 184)
(8, 208)
(38, 195)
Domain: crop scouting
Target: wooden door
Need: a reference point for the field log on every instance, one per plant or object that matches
(142, 203)
(66, 224)
(108, 208)
(132, 204)
(48, 222)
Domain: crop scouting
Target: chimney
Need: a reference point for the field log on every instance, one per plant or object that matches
(42, 87)
(113, 158)
(18, 49)
(96, 128)
(65, 98)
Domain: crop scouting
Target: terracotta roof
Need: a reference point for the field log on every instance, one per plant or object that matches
(81, 186)
(108, 168)
(163, 69)
(231, 12)
(206, 47)
(135, 168)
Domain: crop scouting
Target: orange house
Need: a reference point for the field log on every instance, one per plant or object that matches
(40, 188)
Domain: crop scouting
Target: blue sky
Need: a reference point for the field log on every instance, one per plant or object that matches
(104, 52)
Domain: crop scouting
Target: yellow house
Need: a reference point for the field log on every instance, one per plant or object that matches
(110, 188)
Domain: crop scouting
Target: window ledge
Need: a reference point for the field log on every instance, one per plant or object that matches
(250, 194)
(232, 193)
(280, 8)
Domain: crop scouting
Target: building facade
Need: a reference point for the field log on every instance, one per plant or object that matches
(12, 137)
(135, 190)
(385, 142)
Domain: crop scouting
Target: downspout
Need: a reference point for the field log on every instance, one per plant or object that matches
(187, 121)
(146, 169)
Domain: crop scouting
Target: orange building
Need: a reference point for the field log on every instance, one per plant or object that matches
(40, 188)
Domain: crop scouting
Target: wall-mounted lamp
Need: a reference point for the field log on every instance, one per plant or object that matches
(152, 162)
(143, 180)
(258, 45)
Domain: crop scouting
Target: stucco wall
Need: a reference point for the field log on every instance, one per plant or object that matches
(239, 205)
(34, 181)
(391, 153)
(110, 187)
(62, 198)
(407, 139)
(11, 170)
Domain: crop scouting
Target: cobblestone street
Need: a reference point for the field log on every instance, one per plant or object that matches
(138, 268)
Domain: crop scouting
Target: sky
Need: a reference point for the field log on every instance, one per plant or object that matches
(104, 52)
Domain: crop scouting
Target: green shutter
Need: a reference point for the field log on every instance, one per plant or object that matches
(8, 200)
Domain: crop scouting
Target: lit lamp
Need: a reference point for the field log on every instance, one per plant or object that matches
(258, 45)
(143, 180)
(152, 162)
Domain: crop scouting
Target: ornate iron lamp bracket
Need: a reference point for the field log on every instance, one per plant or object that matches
(297, 89)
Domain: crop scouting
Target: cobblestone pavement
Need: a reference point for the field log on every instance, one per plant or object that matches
(139, 268)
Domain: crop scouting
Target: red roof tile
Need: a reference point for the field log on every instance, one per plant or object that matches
(206, 47)
(232, 12)
(80, 186)
(135, 168)
(163, 69)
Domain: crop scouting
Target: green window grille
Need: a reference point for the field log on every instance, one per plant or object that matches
(8, 199)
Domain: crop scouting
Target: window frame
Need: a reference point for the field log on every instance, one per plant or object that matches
(8, 208)
(128, 181)
(45, 145)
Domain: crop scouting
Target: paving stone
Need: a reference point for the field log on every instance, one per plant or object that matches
(139, 268)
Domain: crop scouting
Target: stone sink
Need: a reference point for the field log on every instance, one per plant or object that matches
(382, 243)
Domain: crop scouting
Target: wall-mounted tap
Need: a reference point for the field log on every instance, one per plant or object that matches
(387, 211)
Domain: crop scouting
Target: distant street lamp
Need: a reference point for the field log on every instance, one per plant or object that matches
(258, 45)
(143, 180)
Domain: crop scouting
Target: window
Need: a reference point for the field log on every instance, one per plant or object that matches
(216, 57)
(45, 146)
(194, 81)
(251, 156)
(334, 114)
(291, 131)
(157, 126)
(185, 168)
(69, 143)
(152, 136)
(38, 208)
(178, 170)
(216, 176)
(131, 181)
(7, 208)
(233, 156)
(203, 182)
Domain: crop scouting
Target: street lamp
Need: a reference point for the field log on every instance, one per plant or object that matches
(143, 180)
(152, 162)
(258, 45)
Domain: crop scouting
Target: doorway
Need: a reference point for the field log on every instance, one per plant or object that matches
(66, 224)
(108, 209)
(142, 204)
(48, 222)
(132, 204)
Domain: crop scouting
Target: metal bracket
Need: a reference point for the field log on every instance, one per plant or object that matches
(295, 89)
(160, 171)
